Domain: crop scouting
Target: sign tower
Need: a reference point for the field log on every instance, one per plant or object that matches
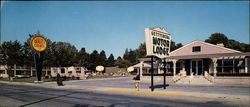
(157, 45)
(38, 44)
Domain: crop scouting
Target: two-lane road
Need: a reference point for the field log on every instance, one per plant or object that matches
(21, 95)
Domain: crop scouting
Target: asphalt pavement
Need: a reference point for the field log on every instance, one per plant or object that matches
(91, 93)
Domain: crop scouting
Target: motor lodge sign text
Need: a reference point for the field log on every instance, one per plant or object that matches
(157, 42)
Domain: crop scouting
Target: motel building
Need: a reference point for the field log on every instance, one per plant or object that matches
(22, 71)
(198, 63)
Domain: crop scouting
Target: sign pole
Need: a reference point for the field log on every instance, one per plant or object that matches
(38, 44)
(152, 73)
(164, 80)
(38, 64)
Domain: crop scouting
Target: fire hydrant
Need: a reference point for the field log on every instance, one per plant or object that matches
(137, 85)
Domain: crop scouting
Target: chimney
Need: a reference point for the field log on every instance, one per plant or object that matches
(220, 44)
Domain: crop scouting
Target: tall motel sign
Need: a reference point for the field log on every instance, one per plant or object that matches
(157, 47)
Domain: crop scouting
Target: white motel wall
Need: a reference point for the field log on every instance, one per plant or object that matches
(22, 71)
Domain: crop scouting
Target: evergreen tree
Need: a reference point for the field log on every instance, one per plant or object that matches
(94, 60)
(83, 58)
(126, 54)
(102, 58)
(110, 60)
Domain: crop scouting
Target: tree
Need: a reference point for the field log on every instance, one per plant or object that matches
(94, 60)
(141, 51)
(102, 58)
(125, 55)
(64, 54)
(110, 60)
(132, 57)
(11, 54)
(28, 56)
(216, 38)
(83, 58)
(122, 63)
(174, 46)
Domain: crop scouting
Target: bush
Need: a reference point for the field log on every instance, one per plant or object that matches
(137, 77)
(77, 78)
(64, 78)
(59, 80)
(46, 76)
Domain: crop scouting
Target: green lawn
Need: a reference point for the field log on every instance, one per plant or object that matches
(28, 80)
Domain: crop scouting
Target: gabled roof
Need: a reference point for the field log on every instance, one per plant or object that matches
(206, 48)
(145, 65)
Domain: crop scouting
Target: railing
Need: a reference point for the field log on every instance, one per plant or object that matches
(179, 76)
(209, 77)
(191, 77)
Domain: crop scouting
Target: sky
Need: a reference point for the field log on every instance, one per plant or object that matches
(114, 26)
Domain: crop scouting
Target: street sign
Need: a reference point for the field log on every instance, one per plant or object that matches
(38, 43)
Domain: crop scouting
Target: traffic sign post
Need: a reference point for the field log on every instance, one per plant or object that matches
(152, 73)
(38, 44)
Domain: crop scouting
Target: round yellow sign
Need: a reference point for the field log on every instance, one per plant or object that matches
(39, 43)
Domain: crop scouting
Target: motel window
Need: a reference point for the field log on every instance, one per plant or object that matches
(62, 70)
(49, 72)
(196, 48)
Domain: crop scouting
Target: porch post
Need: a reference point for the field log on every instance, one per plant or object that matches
(52, 72)
(14, 70)
(246, 65)
(31, 72)
(190, 67)
(141, 63)
(233, 65)
(215, 66)
(5, 71)
(222, 66)
(174, 62)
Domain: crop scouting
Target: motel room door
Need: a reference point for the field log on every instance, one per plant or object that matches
(196, 66)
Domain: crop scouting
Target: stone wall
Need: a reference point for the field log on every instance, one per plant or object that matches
(157, 79)
(217, 80)
(232, 80)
